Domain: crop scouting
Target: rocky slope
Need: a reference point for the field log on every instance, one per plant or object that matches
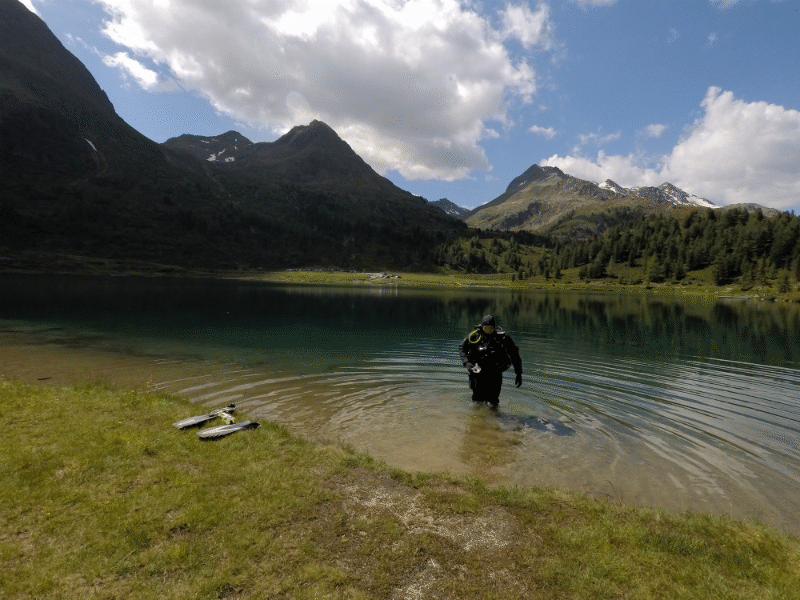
(78, 179)
(545, 199)
(451, 208)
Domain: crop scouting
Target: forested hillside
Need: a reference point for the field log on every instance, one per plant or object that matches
(733, 245)
(493, 251)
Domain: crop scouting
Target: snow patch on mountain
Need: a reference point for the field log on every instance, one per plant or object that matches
(215, 156)
(451, 208)
(612, 186)
(666, 192)
(680, 197)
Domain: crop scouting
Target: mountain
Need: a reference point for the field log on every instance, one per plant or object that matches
(313, 177)
(752, 207)
(225, 148)
(546, 200)
(451, 208)
(310, 155)
(76, 176)
(666, 194)
(77, 179)
(55, 121)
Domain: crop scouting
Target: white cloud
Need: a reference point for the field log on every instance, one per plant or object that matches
(531, 28)
(588, 3)
(711, 39)
(627, 170)
(674, 36)
(597, 139)
(146, 78)
(410, 85)
(29, 5)
(736, 152)
(740, 152)
(653, 131)
(548, 132)
(724, 4)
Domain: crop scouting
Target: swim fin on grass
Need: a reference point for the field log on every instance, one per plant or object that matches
(213, 433)
(200, 420)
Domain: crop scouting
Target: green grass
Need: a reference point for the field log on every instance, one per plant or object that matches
(103, 498)
(696, 284)
(422, 280)
(622, 279)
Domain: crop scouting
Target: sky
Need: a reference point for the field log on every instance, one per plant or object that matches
(454, 99)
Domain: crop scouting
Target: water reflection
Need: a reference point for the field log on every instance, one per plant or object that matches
(486, 446)
(673, 404)
(630, 325)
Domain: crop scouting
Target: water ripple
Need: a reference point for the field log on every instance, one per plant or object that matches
(676, 406)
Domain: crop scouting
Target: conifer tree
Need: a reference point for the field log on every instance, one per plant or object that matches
(783, 285)
(747, 276)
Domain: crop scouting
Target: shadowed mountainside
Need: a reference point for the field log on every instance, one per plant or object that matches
(78, 179)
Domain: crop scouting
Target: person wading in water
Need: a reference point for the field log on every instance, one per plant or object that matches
(486, 353)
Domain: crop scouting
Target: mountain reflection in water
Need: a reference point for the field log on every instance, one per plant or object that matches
(675, 404)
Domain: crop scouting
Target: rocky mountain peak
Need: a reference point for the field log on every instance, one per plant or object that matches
(543, 196)
(226, 148)
(534, 173)
(667, 193)
(315, 133)
(41, 71)
(233, 136)
(451, 208)
(613, 186)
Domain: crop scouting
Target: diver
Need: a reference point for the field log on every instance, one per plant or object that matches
(486, 353)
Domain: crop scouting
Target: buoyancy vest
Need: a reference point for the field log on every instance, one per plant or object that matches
(489, 351)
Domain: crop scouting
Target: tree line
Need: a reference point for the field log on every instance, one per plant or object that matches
(734, 244)
(490, 251)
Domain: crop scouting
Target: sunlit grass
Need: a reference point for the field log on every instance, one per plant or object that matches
(102, 498)
(622, 279)
(626, 280)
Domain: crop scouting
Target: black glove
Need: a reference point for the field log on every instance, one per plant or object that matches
(518, 380)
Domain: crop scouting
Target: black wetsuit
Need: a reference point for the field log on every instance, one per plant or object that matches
(493, 353)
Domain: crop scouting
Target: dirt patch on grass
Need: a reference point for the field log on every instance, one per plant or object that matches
(402, 542)
(410, 509)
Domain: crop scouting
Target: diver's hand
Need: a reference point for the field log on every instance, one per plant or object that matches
(519, 379)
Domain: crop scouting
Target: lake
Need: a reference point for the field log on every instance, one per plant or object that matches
(674, 404)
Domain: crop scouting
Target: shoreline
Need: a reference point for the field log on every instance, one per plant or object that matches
(30, 263)
(132, 507)
(481, 446)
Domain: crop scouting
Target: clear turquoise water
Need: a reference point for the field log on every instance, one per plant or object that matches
(672, 404)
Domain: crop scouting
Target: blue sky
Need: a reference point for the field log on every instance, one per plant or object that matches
(454, 99)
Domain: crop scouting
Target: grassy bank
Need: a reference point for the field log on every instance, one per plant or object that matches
(103, 498)
(622, 279)
(697, 286)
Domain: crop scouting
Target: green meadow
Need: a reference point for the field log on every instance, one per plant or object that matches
(627, 281)
(103, 498)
